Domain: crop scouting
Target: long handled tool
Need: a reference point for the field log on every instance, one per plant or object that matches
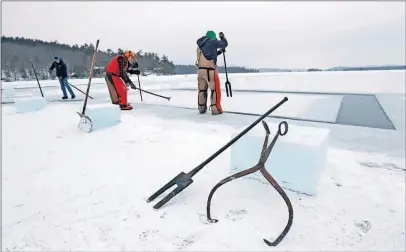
(80, 90)
(36, 77)
(183, 180)
(132, 85)
(85, 122)
(229, 92)
(260, 166)
(139, 85)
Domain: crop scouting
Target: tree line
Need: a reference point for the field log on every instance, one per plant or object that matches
(18, 53)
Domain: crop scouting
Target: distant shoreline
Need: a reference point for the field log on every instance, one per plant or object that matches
(335, 69)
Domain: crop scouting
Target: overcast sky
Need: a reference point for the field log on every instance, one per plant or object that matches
(260, 34)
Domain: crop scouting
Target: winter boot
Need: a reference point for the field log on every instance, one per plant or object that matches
(215, 110)
(202, 109)
(126, 107)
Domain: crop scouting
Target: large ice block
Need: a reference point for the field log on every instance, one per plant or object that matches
(7, 92)
(103, 115)
(29, 104)
(297, 160)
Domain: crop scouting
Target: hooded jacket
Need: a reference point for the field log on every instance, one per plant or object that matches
(209, 46)
(61, 68)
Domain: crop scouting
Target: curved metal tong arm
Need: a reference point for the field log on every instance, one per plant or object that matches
(266, 151)
(236, 176)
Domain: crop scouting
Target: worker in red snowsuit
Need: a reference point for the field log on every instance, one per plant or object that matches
(117, 79)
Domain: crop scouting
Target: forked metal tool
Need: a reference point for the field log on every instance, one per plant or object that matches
(183, 180)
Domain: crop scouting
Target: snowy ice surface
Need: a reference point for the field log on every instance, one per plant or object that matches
(312, 107)
(29, 104)
(394, 106)
(297, 161)
(309, 107)
(366, 82)
(65, 190)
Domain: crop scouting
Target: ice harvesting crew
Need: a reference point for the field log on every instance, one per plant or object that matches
(117, 79)
(62, 74)
(207, 75)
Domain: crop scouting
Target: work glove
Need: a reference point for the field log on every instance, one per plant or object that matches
(221, 35)
(134, 71)
(130, 84)
(220, 51)
(134, 65)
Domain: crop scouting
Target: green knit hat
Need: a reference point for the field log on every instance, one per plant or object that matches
(211, 34)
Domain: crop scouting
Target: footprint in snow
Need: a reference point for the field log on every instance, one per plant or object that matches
(365, 226)
(203, 218)
(148, 235)
(387, 166)
(181, 242)
(236, 214)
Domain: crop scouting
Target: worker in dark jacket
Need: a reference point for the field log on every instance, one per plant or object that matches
(62, 74)
(207, 76)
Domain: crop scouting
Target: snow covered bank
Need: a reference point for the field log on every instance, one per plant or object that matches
(65, 190)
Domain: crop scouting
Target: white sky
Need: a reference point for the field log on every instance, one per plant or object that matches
(260, 34)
